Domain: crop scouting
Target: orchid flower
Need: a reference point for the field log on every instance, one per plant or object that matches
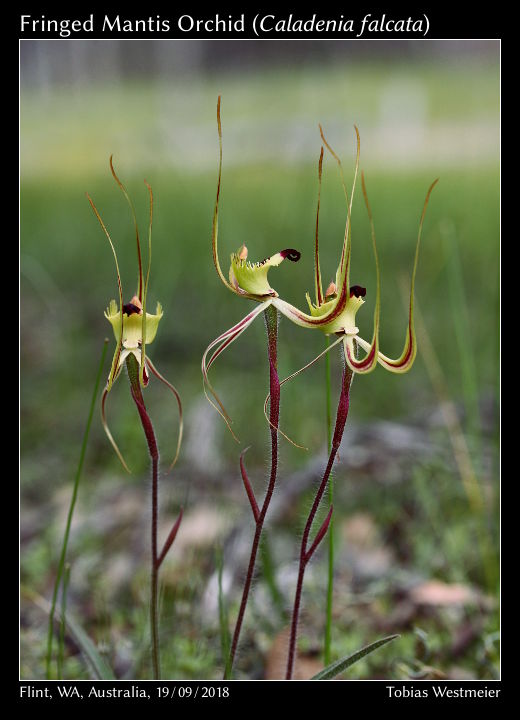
(134, 328)
(247, 280)
(334, 311)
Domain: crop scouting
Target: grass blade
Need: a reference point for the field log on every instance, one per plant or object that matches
(99, 667)
(101, 670)
(65, 542)
(335, 668)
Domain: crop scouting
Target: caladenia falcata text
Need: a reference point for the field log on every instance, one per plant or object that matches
(134, 328)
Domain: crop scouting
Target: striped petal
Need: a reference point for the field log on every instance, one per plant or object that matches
(221, 343)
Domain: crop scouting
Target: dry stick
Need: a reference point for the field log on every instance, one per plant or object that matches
(305, 552)
(135, 388)
(271, 320)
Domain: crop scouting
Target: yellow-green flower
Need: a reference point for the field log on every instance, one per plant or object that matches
(130, 331)
(246, 279)
(334, 311)
(134, 328)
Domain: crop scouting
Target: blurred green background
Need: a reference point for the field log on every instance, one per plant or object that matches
(424, 110)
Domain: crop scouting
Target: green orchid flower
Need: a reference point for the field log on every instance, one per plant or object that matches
(134, 328)
(334, 312)
(245, 279)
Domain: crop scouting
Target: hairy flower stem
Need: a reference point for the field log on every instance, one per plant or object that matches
(330, 566)
(305, 552)
(271, 321)
(135, 389)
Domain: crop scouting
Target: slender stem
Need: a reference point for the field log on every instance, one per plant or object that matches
(135, 389)
(271, 321)
(305, 555)
(330, 567)
(222, 607)
(63, 623)
(64, 545)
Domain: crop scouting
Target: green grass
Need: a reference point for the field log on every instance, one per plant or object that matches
(62, 244)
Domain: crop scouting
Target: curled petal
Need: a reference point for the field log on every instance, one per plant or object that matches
(223, 341)
(369, 362)
(405, 361)
(158, 375)
(310, 321)
(107, 431)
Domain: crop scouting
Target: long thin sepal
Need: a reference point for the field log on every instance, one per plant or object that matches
(138, 242)
(114, 370)
(214, 234)
(142, 378)
(108, 433)
(317, 278)
(179, 405)
(342, 278)
(405, 361)
(345, 254)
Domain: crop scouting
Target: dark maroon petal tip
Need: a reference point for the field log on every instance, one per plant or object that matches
(357, 291)
(130, 309)
(291, 254)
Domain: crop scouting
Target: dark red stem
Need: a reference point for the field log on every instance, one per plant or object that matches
(306, 554)
(271, 320)
(135, 389)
